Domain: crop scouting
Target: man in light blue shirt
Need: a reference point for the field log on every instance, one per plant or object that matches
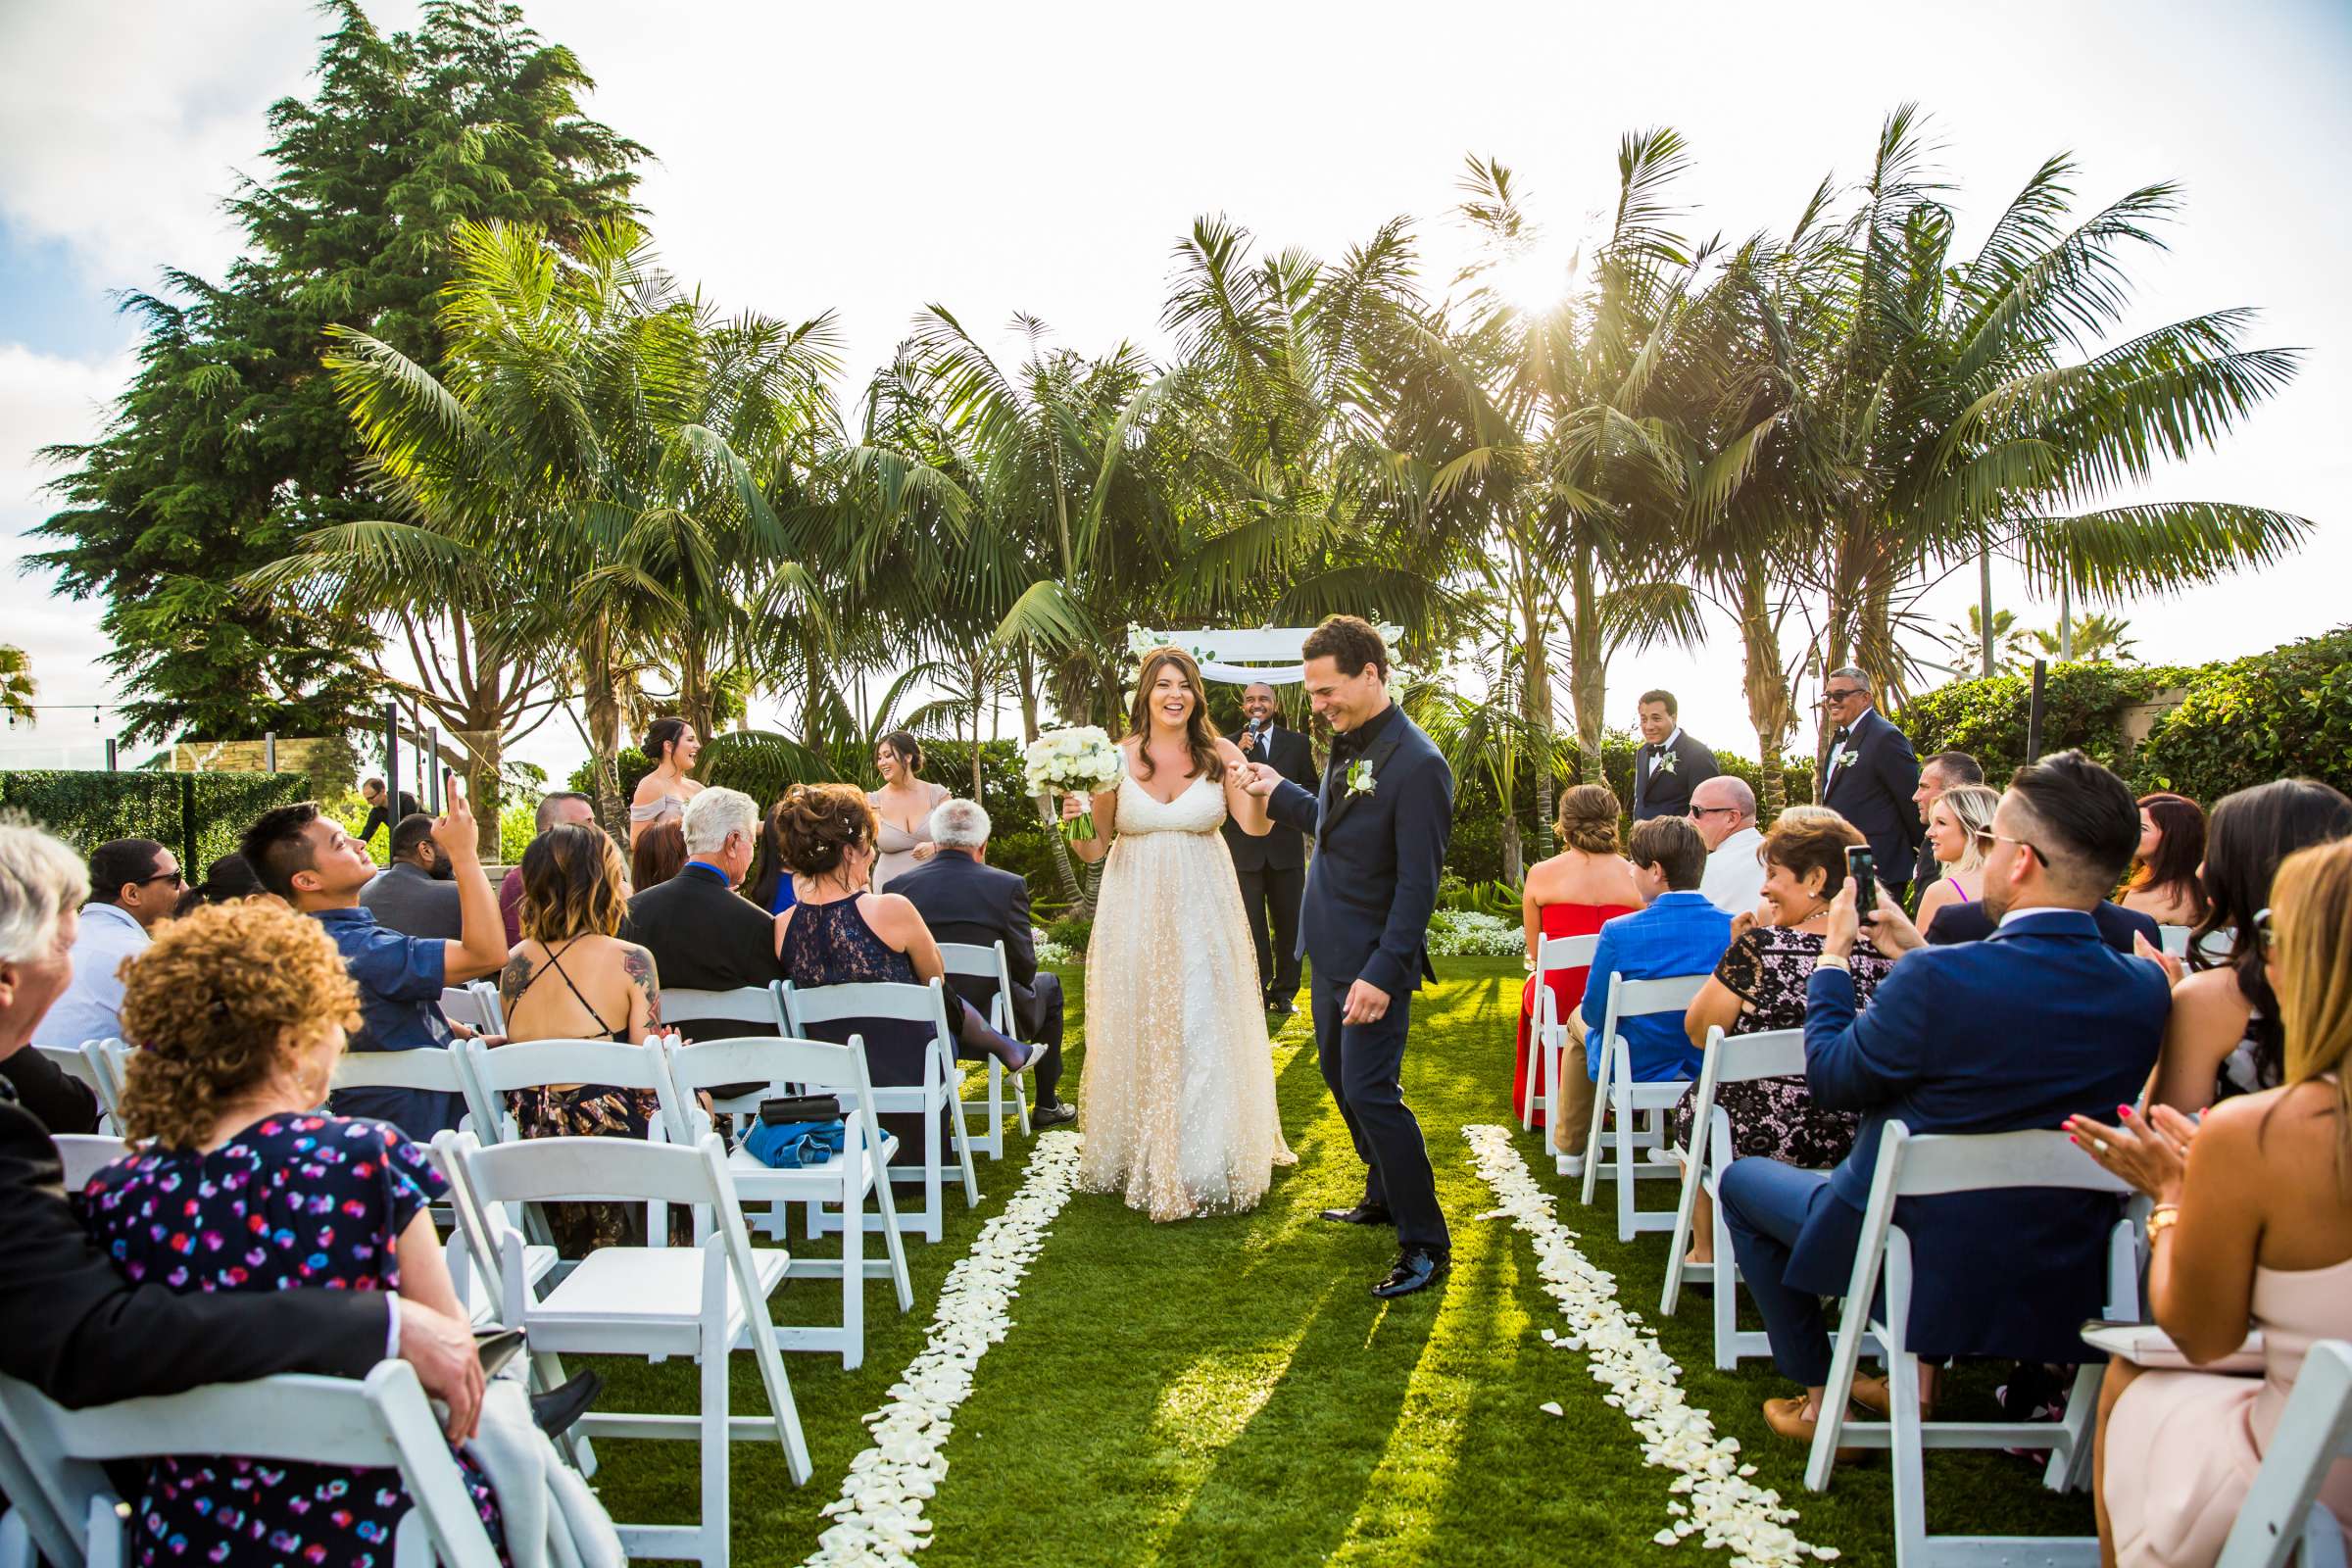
(134, 884)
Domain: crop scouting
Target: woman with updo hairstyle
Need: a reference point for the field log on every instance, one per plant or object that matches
(571, 977)
(841, 933)
(672, 745)
(1760, 984)
(239, 1011)
(1570, 895)
(903, 807)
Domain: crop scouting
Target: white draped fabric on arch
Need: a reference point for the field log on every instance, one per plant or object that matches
(1241, 655)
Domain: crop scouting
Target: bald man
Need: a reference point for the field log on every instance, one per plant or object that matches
(1724, 811)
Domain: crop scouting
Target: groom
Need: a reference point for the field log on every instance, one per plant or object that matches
(1380, 824)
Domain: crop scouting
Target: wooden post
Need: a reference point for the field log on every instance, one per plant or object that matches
(269, 751)
(2041, 670)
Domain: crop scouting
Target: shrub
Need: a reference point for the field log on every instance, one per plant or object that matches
(2082, 705)
(1467, 932)
(199, 815)
(2285, 713)
(1073, 931)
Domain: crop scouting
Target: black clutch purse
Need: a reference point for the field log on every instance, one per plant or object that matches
(801, 1108)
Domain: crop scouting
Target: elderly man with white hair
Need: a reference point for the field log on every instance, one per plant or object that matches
(963, 898)
(1724, 811)
(75, 1328)
(703, 934)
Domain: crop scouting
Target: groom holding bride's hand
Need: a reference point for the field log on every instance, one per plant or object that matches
(1381, 823)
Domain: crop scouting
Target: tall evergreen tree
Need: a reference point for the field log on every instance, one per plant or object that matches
(230, 444)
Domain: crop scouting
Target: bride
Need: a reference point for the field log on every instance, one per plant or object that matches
(1178, 1093)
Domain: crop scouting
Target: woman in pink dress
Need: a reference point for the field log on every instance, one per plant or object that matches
(2253, 1224)
(1570, 895)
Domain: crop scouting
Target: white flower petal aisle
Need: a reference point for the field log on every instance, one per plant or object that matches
(1726, 1511)
(879, 1513)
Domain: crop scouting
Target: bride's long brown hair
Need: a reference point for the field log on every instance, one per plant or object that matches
(1199, 737)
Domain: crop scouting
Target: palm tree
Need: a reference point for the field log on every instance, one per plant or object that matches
(2006, 649)
(2098, 638)
(17, 685)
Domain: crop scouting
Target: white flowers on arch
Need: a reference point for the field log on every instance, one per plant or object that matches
(879, 1513)
(1727, 1510)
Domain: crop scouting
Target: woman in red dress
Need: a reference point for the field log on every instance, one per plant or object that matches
(1570, 895)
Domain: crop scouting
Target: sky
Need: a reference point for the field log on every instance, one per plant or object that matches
(872, 159)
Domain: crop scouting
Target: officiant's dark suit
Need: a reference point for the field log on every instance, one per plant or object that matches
(1370, 891)
(964, 901)
(1874, 790)
(1273, 869)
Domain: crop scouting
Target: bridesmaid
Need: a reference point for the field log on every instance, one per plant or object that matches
(672, 746)
(902, 806)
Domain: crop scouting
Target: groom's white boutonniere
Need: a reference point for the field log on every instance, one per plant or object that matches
(1849, 757)
(1666, 761)
(1359, 777)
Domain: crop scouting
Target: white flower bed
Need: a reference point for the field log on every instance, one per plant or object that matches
(1727, 1510)
(880, 1509)
(1468, 934)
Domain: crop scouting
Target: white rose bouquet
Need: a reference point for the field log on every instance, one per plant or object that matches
(1083, 760)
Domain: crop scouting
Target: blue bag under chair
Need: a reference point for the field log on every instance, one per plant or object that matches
(791, 1145)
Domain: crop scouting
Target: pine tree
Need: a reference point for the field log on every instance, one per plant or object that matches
(229, 443)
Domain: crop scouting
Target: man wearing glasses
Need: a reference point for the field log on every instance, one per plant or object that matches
(1724, 811)
(1870, 775)
(134, 884)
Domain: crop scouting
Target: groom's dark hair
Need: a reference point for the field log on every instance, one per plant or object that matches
(1350, 641)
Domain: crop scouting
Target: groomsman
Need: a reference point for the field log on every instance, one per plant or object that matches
(1668, 765)
(1273, 869)
(1870, 776)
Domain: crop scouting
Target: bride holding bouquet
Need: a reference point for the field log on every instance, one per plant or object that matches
(1178, 1095)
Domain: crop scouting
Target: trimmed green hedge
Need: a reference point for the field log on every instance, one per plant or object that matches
(199, 815)
(2241, 722)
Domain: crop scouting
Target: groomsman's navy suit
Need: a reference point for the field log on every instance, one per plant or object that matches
(1272, 866)
(1874, 793)
(2039, 1021)
(1370, 891)
(1666, 791)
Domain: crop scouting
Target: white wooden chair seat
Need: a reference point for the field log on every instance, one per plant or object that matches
(86, 1155)
(636, 1290)
(823, 1177)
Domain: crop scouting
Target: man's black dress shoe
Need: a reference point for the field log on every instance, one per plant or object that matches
(1053, 1114)
(1360, 1215)
(1417, 1268)
(557, 1408)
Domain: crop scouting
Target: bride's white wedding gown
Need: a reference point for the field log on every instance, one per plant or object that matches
(1177, 1096)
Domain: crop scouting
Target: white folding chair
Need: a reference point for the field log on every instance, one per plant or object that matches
(989, 964)
(813, 1067)
(87, 1063)
(2175, 939)
(50, 1462)
(501, 1070)
(85, 1154)
(1549, 1031)
(112, 1059)
(2281, 1511)
(752, 1004)
(1930, 1165)
(474, 1005)
(439, 1069)
(1618, 1091)
(936, 1095)
(701, 1301)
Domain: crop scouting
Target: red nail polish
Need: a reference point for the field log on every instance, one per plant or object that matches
(2123, 1110)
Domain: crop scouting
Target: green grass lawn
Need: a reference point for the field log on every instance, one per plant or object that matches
(1225, 1390)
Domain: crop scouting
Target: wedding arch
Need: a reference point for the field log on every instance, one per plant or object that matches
(1240, 655)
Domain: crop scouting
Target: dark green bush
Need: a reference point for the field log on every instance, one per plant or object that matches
(2277, 715)
(200, 816)
(2082, 707)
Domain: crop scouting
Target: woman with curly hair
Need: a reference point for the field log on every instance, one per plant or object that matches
(1573, 893)
(239, 1011)
(571, 977)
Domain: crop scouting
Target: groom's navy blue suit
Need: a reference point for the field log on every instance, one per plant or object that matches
(1370, 890)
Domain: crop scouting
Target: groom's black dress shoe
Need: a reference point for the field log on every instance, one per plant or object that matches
(1360, 1215)
(1417, 1268)
(558, 1407)
(1053, 1114)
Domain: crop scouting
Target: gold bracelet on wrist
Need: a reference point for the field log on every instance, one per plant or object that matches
(2163, 1217)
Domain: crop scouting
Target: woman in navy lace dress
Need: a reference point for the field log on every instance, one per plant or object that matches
(240, 1012)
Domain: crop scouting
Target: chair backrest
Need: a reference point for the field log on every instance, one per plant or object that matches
(2314, 1432)
(464, 1004)
(382, 1422)
(1926, 1164)
(971, 960)
(743, 1005)
(1743, 1058)
(2175, 939)
(535, 1063)
(112, 1058)
(816, 1066)
(887, 1001)
(83, 1063)
(623, 1169)
(1566, 953)
(436, 1068)
(1636, 999)
(85, 1154)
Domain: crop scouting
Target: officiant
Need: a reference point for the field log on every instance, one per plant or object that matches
(1273, 869)
(1668, 765)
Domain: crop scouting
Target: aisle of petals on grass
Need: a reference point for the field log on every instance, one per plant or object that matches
(1727, 1510)
(879, 1514)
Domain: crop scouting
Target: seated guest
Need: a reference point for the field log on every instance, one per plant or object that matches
(71, 1324)
(1724, 811)
(2223, 1037)
(839, 933)
(134, 885)
(658, 853)
(227, 880)
(2037, 1022)
(564, 806)
(417, 894)
(2163, 882)
(1679, 933)
(770, 885)
(240, 1014)
(2252, 1221)
(1760, 986)
(1959, 832)
(1573, 893)
(573, 977)
(701, 935)
(384, 810)
(314, 865)
(963, 898)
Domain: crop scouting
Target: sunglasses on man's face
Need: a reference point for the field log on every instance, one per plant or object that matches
(178, 879)
(1709, 811)
(1831, 699)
